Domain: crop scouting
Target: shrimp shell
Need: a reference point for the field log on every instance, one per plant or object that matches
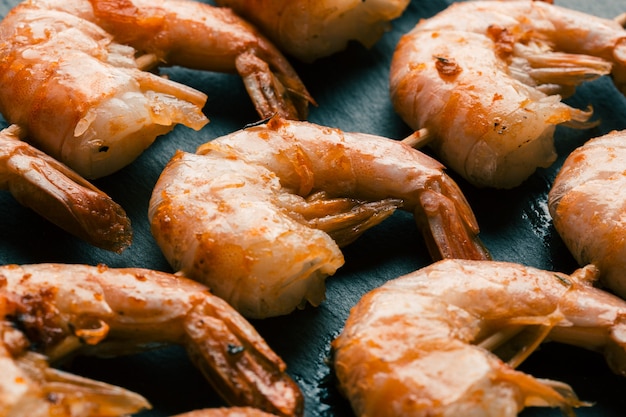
(588, 207)
(420, 345)
(60, 195)
(486, 78)
(258, 215)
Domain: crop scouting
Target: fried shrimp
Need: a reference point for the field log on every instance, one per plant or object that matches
(588, 207)
(444, 340)
(52, 310)
(226, 412)
(485, 80)
(312, 29)
(259, 215)
(60, 195)
(72, 74)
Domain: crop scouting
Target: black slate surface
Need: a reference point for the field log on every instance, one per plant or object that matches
(352, 91)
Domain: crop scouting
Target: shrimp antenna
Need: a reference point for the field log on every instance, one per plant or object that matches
(259, 122)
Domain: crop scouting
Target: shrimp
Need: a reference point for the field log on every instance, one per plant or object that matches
(50, 311)
(485, 80)
(445, 340)
(588, 208)
(60, 195)
(70, 77)
(309, 30)
(259, 215)
(226, 412)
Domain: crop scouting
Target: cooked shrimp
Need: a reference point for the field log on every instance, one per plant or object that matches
(53, 310)
(60, 195)
(444, 340)
(227, 412)
(69, 76)
(312, 29)
(259, 215)
(485, 80)
(588, 207)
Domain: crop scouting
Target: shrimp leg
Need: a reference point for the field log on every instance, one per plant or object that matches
(225, 347)
(586, 203)
(60, 195)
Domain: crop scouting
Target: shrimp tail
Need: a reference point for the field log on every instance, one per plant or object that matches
(237, 361)
(354, 223)
(271, 93)
(546, 392)
(446, 220)
(543, 392)
(448, 225)
(70, 392)
(61, 195)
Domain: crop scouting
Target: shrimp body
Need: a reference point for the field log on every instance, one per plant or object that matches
(588, 207)
(69, 74)
(486, 78)
(309, 29)
(67, 309)
(60, 195)
(444, 340)
(259, 215)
